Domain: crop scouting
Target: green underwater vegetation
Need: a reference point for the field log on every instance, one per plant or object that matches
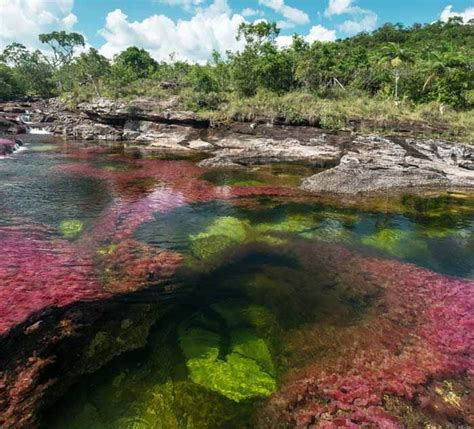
(288, 175)
(71, 228)
(225, 232)
(398, 243)
(43, 147)
(244, 371)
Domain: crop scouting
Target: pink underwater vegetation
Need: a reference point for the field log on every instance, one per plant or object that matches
(131, 264)
(37, 272)
(154, 186)
(423, 334)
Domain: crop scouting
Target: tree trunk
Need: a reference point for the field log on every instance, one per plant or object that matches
(96, 88)
(397, 82)
(430, 78)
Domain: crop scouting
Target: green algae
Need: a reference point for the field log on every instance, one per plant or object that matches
(281, 174)
(107, 250)
(154, 394)
(399, 243)
(43, 147)
(71, 228)
(242, 372)
(224, 233)
(296, 223)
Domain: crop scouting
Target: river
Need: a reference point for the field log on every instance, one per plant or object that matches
(275, 308)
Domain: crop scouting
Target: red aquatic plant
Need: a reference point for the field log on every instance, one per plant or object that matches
(130, 265)
(37, 272)
(421, 329)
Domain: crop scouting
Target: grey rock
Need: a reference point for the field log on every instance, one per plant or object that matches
(200, 145)
(240, 149)
(375, 164)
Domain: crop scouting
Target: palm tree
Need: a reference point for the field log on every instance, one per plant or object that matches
(396, 57)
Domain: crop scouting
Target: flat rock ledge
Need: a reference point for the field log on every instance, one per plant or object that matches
(374, 164)
(352, 163)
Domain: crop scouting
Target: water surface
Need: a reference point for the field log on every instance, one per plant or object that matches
(274, 285)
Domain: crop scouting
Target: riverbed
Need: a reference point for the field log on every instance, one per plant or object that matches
(266, 306)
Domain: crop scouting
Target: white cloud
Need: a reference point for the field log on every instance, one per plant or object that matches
(338, 7)
(323, 34)
(361, 19)
(285, 25)
(365, 20)
(212, 28)
(296, 16)
(249, 12)
(317, 32)
(22, 20)
(448, 12)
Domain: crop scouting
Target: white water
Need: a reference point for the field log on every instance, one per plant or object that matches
(38, 131)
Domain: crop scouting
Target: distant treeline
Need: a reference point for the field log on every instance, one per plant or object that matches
(417, 64)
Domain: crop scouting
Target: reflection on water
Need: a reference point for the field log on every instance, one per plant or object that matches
(322, 308)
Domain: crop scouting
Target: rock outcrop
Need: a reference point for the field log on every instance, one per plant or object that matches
(283, 144)
(374, 164)
(354, 163)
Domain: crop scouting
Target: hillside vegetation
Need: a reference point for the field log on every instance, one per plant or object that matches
(421, 73)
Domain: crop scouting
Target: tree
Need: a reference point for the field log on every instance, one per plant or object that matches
(256, 34)
(31, 69)
(138, 62)
(396, 57)
(91, 67)
(10, 85)
(63, 46)
(260, 63)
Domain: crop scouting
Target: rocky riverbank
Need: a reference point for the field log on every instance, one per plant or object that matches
(354, 163)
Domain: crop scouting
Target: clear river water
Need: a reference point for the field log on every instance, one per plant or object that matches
(274, 308)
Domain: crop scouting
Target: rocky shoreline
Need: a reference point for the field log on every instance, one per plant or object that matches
(354, 163)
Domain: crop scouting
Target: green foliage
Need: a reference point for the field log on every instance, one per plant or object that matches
(90, 67)
(137, 63)
(10, 85)
(63, 46)
(320, 83)
(30, 71)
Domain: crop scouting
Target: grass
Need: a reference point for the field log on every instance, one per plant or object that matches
(333, 110)
(342, 112)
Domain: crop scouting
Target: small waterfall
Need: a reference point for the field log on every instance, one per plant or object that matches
(38, 131)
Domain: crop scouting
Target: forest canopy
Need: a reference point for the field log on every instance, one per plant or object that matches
(419, 64)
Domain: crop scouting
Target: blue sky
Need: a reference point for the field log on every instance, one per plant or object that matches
(191, 29)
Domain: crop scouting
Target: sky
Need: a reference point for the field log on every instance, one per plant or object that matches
(192, 29)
